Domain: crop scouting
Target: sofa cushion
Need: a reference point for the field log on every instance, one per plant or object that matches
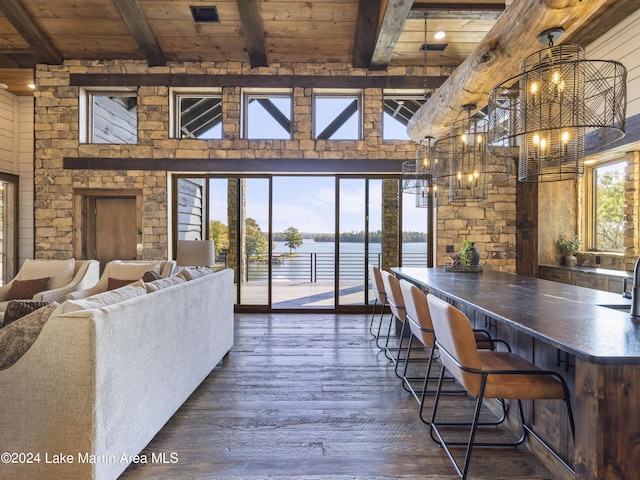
(19, 308)
(191, 273)
(17, 338)
(26, 289)
(163, 283)
(103, 299)
(150, 276)
(60, 272)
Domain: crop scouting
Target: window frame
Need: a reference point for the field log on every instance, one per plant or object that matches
(334, 93)
(589, 226)
(411, 95)
(175, 97)
(249, 93)
(85, 113)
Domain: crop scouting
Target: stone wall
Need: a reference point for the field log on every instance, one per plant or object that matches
(492, 226)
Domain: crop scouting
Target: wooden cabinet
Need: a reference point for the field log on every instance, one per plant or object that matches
(599, 279)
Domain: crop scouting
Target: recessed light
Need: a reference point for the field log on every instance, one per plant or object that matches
(32, 86)
(439, 35)
(205, 14)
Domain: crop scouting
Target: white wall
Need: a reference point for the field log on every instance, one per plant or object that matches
(16, 158)
(621, 43)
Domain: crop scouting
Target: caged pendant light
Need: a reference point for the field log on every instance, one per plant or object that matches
(418, 174)
(557, 108)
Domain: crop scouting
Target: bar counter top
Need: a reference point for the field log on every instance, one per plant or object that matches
(568, 317)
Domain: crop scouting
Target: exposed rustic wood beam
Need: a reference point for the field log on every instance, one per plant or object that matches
(467, 11)
(497, 58)
(253, 32)
(24, 24)
(18, 59)
(270, 81)
(393, 18)
(606, 18)
(366, 32)
(139, 27)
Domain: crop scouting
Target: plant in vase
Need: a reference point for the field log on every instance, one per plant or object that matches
(466, 253)
(569, 247)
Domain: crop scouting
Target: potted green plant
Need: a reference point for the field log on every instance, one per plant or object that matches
(569, 247)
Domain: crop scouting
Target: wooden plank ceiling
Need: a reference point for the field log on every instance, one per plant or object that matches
(375, 34)
(372, 34)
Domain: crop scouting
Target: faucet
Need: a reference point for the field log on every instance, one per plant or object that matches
(635, 291)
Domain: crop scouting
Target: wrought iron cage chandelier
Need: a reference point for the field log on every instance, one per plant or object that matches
(557, 108)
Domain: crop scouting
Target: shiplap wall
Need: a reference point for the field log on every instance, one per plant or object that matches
(621, 44)
(16, 157)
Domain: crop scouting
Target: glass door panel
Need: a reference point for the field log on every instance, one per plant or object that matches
(254, 239)
(374, 221)
(303, 259)
(414, 232)
(353, 238)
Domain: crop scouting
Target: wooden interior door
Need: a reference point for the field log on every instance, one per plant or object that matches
(112, 232)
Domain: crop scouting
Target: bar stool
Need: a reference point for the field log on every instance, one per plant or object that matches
(398, 311)
(486, 374)
(380, 298)
(421, 327)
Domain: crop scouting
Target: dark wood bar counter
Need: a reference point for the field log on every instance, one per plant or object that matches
(567, 329)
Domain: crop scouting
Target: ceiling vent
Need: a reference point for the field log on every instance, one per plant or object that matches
(205, 14)
(433, 47)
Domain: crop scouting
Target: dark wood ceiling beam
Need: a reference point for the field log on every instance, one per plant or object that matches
(605, 19)
(29, 30)
(366, 32)
(253, 32)
(467, 11)
(393, 18)
(270, 81)
(139, 27)
(18, 59)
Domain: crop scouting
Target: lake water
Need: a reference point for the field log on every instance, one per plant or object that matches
(314, 261)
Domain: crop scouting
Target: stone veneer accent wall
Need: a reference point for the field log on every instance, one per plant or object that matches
(491, 226)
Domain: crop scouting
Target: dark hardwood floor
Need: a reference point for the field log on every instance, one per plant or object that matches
(311, 397)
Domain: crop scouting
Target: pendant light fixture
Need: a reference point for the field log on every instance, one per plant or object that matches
(418, 174)
(558, 107)
(468, 159)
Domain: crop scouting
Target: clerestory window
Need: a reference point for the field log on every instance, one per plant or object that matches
(398, 110)
(109, 116)
(198, 115)
(268, 115)
(337, 116)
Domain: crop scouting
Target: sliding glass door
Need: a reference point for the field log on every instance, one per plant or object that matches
(298, 242)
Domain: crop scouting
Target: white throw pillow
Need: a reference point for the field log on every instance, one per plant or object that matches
(60, 272)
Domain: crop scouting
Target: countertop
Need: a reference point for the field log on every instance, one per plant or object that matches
(568, 317)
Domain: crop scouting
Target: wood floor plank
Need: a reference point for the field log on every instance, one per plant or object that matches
(310, 397)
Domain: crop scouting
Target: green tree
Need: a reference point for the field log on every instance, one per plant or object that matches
(255, 239)
(610, 211)
(219, 233)
(293, 239)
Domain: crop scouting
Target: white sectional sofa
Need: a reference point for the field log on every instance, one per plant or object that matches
(99, 382)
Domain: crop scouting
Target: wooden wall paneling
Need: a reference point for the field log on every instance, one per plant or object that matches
(617, 451)
(527, 229)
